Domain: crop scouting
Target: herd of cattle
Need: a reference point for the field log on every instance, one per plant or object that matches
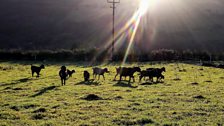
(65, 73)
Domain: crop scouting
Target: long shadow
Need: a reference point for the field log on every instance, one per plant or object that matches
(44, 90)
(122, 84)
(22, 80)
(151, 83)
(44, 77)
(90, 82)
(147, 83)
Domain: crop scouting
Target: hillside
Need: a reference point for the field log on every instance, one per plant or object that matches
(190, 97)
(50, 24)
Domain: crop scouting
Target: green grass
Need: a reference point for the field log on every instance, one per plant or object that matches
(26, 100)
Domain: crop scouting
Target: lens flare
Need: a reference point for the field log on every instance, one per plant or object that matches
(129, 30)
(144, 5)
(135, 21)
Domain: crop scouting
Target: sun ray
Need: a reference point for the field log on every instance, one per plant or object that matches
(130, 29)
(143, 7)
(131, 41)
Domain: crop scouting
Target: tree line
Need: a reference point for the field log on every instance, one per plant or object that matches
(94, 54)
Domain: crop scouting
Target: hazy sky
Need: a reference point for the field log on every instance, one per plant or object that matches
(62, 23)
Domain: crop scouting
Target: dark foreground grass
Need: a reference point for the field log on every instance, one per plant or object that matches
(194, 96)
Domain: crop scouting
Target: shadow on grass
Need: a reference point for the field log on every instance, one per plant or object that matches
(90, 82)
(22, 80)
(151, 83)
(123, 84)
(44, 90)
(147, 83)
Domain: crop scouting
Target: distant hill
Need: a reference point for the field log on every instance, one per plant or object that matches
(56, 24)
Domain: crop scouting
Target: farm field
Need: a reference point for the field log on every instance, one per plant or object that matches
(189, 95)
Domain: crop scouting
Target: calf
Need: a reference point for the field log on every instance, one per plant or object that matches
(86, 75)
(129, 72)
(69, 72)
(148, 69)
(145, 73)
(158, 73)
(155, 72)
(118, 71)
(99, 71)
(36, 69)
(63, 75)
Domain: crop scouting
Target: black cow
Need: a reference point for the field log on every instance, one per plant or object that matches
(36, 69)
(70, 72)
(63, 75)
(155, 72)
(118, 71)
(86, 75)
(124, 72)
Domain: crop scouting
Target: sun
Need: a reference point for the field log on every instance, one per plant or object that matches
(129, 31)
(143, 7)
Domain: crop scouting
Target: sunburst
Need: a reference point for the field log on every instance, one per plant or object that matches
(143, 7)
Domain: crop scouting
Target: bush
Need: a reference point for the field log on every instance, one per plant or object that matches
(94, 54)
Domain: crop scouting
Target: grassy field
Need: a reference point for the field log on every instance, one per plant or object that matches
(191, 97)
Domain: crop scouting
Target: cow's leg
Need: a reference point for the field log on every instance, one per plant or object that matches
(62, 82)
(38, 74)
(150, 78)
(157, 79)
(129, 80)
(115, 76)
(140, 78)
(98, 77)
(103, 77)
